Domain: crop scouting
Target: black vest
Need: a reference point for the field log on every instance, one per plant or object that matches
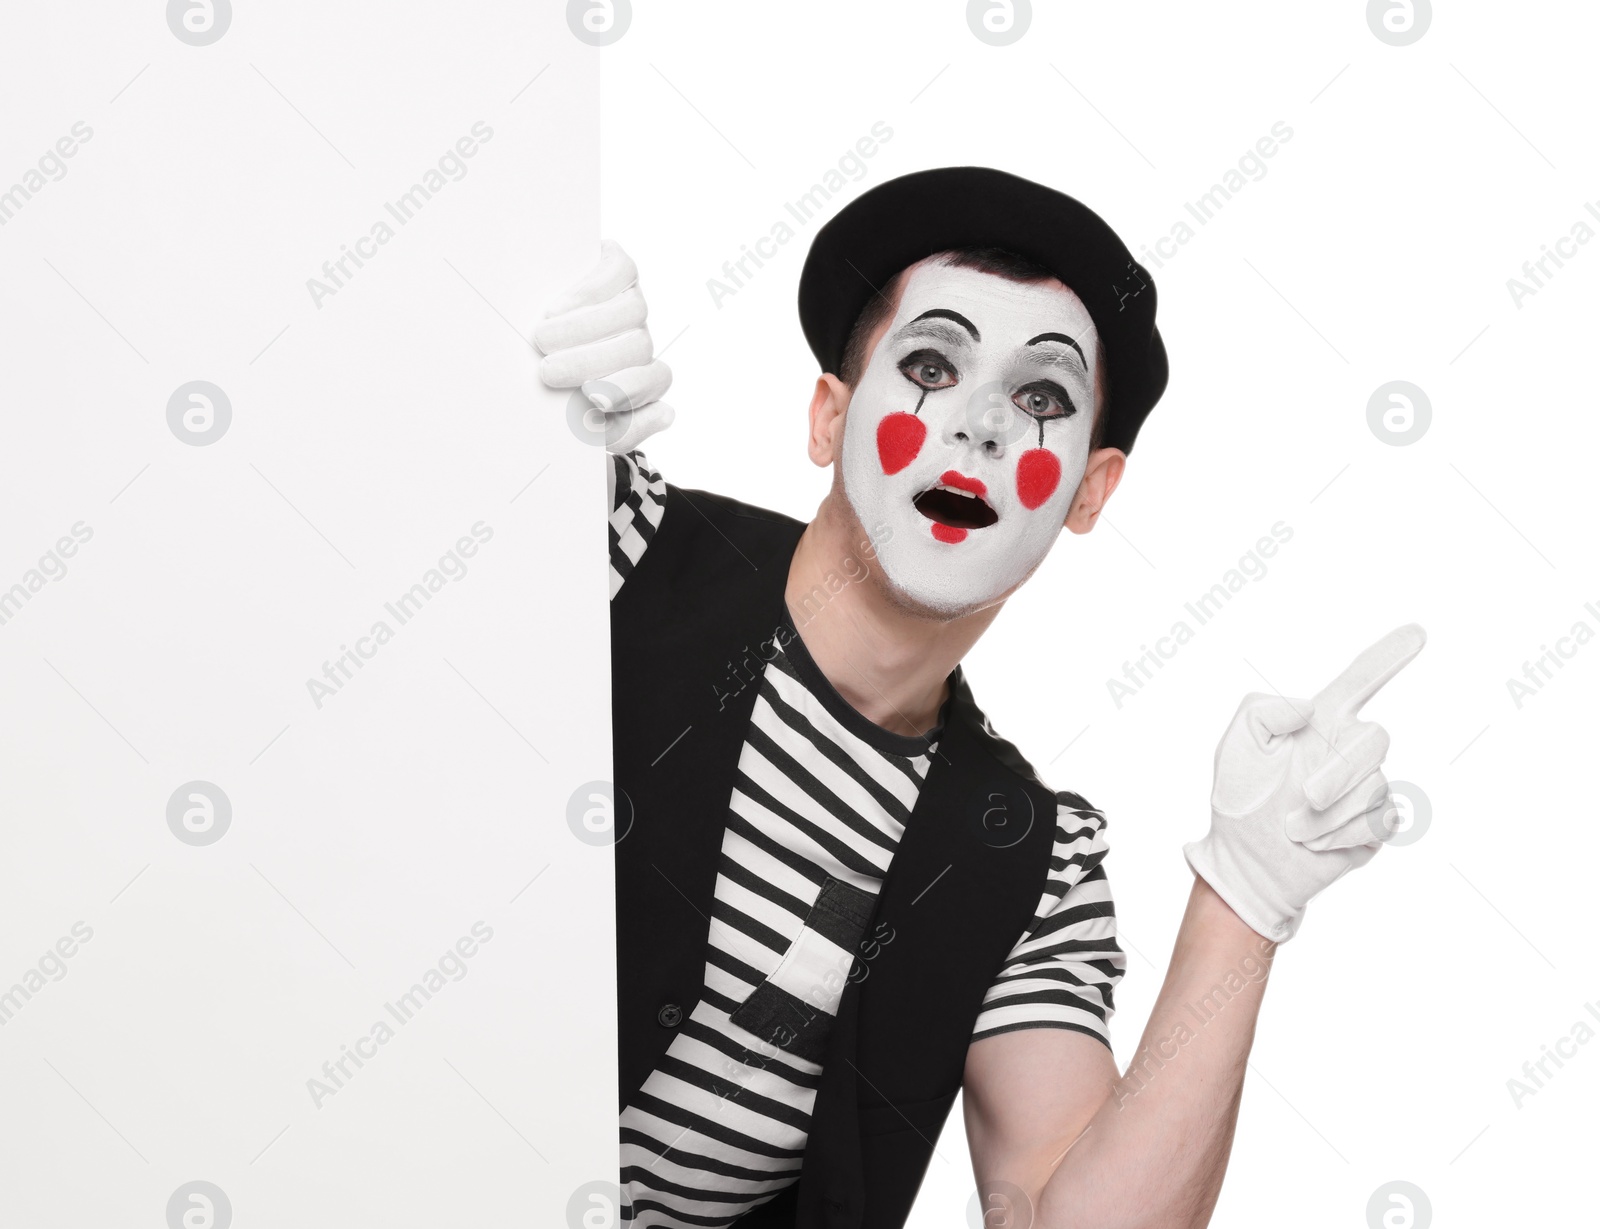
(691, 632)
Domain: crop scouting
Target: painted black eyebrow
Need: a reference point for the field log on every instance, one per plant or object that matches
(1061, 337)
(944, 313)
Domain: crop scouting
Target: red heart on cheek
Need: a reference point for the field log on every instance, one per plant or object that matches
(1038, 475)
(900, 437)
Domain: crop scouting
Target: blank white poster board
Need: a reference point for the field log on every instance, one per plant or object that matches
(302, 620)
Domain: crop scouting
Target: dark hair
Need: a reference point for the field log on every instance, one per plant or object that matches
(998, 261)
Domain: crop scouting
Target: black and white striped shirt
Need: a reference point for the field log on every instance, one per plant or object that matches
(818, 805)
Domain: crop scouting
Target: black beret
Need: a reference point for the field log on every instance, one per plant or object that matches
(884, 230)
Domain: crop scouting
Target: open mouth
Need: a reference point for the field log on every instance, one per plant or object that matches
(957, 502)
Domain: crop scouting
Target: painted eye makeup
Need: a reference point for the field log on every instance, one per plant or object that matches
(928, 370)
(1044, 400)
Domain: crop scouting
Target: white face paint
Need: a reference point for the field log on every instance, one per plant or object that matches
(973, 388)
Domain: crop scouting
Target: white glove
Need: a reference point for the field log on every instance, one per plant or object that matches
(594, 338)
(1298, 799)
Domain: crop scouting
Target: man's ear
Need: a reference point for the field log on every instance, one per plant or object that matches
(829, 400)
(1100, 478)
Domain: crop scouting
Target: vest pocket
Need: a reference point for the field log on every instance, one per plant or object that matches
(793, 1009)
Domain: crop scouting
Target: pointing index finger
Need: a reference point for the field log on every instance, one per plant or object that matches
(1375, 666)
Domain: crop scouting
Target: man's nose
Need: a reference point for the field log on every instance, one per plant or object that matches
(983, 420)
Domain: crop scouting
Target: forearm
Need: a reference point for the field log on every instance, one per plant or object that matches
(637, 506)
(1155, 1152)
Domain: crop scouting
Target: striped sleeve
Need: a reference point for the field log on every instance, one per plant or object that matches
(639, 499)
(1063, 970)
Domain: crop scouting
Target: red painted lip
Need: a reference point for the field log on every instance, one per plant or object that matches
(961, 482)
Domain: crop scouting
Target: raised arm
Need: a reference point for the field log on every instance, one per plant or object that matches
(595, 340)
(1059, 1140)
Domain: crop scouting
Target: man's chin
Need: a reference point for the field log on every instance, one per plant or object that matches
(936, 604)
(931, 584)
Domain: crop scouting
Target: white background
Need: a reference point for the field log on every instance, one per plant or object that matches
(368, 435)
(1376, 247)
